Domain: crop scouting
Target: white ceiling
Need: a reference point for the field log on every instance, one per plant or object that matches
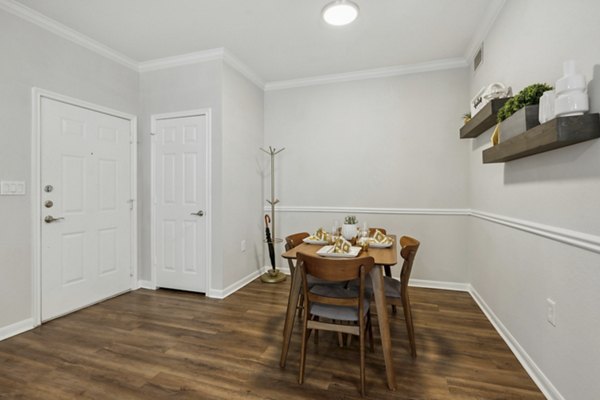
(279, 39)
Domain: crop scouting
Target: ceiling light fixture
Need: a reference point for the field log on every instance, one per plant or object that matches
(340, 12)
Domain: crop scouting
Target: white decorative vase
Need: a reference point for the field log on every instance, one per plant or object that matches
(571, 92)
(349, 231)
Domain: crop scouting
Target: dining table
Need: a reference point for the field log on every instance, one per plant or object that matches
(384, 257)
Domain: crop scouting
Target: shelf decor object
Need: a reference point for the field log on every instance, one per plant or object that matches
(523, 120)
(273, 275)
(482, 121)
(556, 133)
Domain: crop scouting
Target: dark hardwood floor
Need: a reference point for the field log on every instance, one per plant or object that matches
(169, 344)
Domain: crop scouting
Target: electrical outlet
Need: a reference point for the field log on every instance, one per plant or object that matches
(551, 311)
(243, 246)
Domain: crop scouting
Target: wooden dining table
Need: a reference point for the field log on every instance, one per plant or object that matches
(383, 257)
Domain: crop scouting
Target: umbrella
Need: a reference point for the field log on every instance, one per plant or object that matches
(269, 240)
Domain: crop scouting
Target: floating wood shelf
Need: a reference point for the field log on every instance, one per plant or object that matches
(483, 120)
(559, 132)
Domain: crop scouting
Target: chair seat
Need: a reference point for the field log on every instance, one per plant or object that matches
(392, 287)
(313, 280)
(340, 313)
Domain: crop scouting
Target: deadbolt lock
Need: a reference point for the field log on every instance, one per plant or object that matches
(48, 188)
(48, 204)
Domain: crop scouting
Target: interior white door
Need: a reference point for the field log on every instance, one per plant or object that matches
(179, 203)
(86, 207)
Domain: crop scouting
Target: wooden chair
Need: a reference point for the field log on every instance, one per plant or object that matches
(292, 241)
(396, 291)
(387, 268)
(336, 303)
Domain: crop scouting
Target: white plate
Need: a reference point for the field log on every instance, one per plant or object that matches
(309, 241)
(325, 251)
(380, 245)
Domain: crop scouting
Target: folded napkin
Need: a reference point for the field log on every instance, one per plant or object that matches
(320, 236)
(380, 238)
(341, 245)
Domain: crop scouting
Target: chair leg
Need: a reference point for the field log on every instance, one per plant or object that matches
(370, 328)
(305, 334)
(300, 305)
(361, 338)
(316, 318)
(409, 324)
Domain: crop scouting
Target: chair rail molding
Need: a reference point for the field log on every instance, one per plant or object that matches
(578, 239)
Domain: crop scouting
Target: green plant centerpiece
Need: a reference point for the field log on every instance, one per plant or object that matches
(350, 227)
(351, 220)
(526, 97)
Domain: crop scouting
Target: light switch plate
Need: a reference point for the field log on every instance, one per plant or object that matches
(12, 188)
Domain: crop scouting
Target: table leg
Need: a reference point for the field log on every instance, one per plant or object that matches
(384, 324)
(290, 314)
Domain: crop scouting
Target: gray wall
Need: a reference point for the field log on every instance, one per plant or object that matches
(33, 57)
(515, 271)
(182, 88)
(243, 116)
(383, 143)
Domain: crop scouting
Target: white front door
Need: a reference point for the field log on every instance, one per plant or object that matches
(86, 207)
(180, 193)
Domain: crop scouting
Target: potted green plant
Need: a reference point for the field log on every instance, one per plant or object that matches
(521, 112)
(350, 227)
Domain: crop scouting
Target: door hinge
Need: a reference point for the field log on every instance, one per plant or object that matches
(130, 201)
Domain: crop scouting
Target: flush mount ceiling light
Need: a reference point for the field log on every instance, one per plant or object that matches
(340, 12)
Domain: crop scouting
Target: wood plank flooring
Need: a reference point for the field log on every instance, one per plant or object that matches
(167, 344)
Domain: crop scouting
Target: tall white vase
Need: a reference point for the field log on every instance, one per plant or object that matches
(349, 231)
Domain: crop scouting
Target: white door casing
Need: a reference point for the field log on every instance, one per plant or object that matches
(180, 200)
(87, 154)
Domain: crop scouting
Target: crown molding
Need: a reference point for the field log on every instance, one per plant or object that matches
(484, 28)
(243, 69)
(65, 32)
(182, 59)
(435, 65)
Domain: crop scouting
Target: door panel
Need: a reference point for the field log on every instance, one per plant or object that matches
(86, 158)
(180, 189)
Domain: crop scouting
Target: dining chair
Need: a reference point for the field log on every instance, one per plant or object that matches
(292, 241)
(346, 309)
(396, 291)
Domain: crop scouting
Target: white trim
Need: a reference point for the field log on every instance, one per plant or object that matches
(235, 286)
(372, 210)
(65, 32)
(541, 380)
(435, 65)
(208, 200)
(578, 239)
(455, 286)
(581, 240)
(36, 198)
(243, 69)
(16, 328)
(200, 57)
(143, 284)
(487, 22)
(182, 59)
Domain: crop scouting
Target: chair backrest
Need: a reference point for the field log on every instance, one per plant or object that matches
(372, 231)
(335, 270)
(292, 241)
(408, 251)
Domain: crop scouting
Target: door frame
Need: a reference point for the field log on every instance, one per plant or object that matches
(36, 194)
(154, 118)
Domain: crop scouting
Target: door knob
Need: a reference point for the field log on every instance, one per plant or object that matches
(50, 219)
(199, 213)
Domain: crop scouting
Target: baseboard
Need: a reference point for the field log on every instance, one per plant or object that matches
(526, 361)
(142, 284)
(234, 287)
(457, 286)
(16, 328)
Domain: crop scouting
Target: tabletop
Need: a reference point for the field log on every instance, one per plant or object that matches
(386, 256)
